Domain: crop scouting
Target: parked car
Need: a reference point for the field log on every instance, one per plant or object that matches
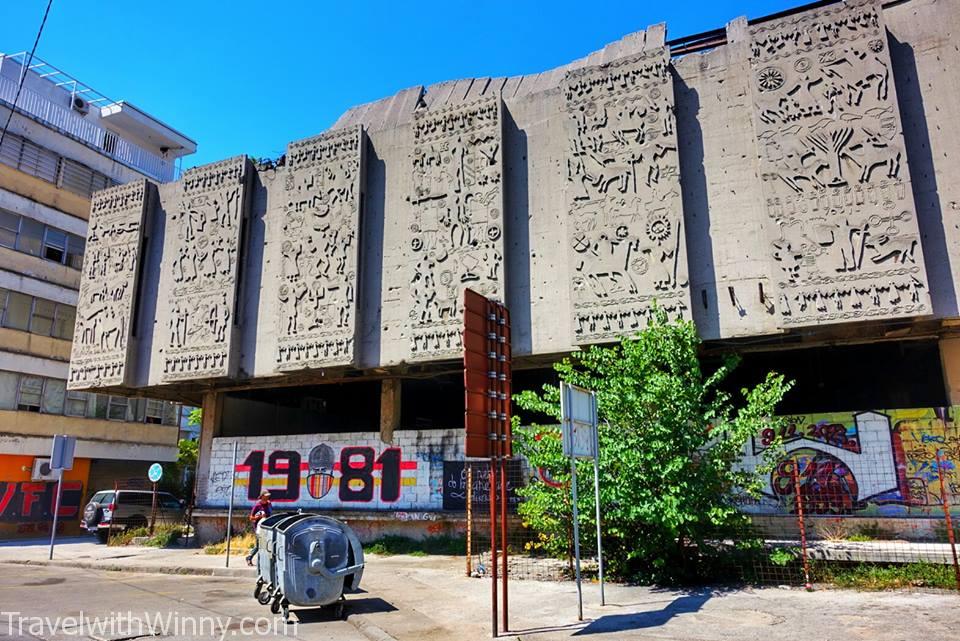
(123, 509)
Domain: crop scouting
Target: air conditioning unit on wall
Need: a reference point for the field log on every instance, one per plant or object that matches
(79, 104)
(41, 470)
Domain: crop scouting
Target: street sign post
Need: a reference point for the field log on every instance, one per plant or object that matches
(154, 473)
(486, 380)
(61, 458)
(578, 411)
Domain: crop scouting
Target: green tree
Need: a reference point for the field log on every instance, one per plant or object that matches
(670, 439)
(178, 477)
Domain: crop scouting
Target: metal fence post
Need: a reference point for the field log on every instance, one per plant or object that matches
(233, 482)
(945, 502)
(803, 529)
(469, 471)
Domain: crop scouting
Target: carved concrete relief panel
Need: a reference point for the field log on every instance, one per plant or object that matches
(108, 287)
(835, 176)
(203, 239)
(317, 288)
(456, 226)
(626, 243)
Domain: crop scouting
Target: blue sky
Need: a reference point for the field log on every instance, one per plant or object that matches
(248, 77)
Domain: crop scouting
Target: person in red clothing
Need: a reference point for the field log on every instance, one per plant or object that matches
(260, 510)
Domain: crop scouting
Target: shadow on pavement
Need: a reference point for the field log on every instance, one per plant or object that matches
(684, 604)
(369, 605)
(45, 541)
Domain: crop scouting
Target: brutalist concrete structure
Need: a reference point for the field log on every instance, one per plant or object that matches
(785, 182)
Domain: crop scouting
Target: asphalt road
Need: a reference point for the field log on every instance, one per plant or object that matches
(48, 602)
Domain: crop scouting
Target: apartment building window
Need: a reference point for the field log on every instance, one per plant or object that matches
(33, 237)
(38, 161)
(117, 408)
(30, 237)
(76, 404)
(36, 315)
(9, 226)
(54, 393)
(17, 310)
(41, 320)
(30, 394)
(55, 245)
(64, 322)
(154, 412)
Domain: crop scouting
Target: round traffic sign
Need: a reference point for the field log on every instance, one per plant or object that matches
(155, 472)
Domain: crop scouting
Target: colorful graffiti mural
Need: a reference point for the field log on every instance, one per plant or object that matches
(27, 506)
(338, 471)
(879, 463)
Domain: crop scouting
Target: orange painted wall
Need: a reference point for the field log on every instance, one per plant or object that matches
(17, 491)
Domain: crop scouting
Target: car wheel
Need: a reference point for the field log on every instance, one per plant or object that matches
(102, 535)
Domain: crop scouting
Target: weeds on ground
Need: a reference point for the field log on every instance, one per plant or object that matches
(886, 577)
(241, 543)
(390, 545)
(163, 536)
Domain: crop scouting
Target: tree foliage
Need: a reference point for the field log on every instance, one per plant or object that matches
(670, 439)
(178, 477)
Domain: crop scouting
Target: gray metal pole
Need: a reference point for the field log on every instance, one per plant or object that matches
(233, 483)
(596, 490)
(576, 535)
(56, 513)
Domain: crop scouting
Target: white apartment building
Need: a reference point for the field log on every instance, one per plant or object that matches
(64, 141)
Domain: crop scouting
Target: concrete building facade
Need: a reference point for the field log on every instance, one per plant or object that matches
(788, 183)
(65, 142)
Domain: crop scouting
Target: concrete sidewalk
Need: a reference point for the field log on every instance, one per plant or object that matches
(431, 599)
(85, 552)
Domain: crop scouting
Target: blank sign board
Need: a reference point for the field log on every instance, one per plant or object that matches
(578, 409)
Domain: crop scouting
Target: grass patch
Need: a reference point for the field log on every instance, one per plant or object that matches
(887, 577)
(163, 536)
(239, 543)
(390, 545)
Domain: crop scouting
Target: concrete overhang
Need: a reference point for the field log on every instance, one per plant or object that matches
(129, 122)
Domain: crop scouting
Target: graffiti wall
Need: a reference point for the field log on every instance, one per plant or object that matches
(346, 471)
(27, 506)
(878, 463)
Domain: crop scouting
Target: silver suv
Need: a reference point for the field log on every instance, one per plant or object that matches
(122, 509)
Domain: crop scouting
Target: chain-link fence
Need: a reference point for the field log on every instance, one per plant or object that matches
(528, 555)
(862, 500)
(825, 518)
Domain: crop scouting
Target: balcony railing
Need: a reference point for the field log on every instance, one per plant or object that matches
(72, 123)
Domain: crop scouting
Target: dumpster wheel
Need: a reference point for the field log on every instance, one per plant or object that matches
(264, 597)
(258, 589)
(275, 605)
(285, 606)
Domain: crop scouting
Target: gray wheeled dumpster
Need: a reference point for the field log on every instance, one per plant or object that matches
(310, 560)
(266, 542)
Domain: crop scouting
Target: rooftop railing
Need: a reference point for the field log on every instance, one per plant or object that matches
(73, 124)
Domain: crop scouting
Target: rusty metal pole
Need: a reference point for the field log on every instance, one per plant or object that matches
(504, 432)
(948, 521)
(153, 509)
(803, 529)
(503, 540)
(469, 517)
(493, 423)
(493, 546)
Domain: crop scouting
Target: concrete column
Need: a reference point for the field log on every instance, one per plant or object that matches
(389, 408)
(950, 359)
(209, 428)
